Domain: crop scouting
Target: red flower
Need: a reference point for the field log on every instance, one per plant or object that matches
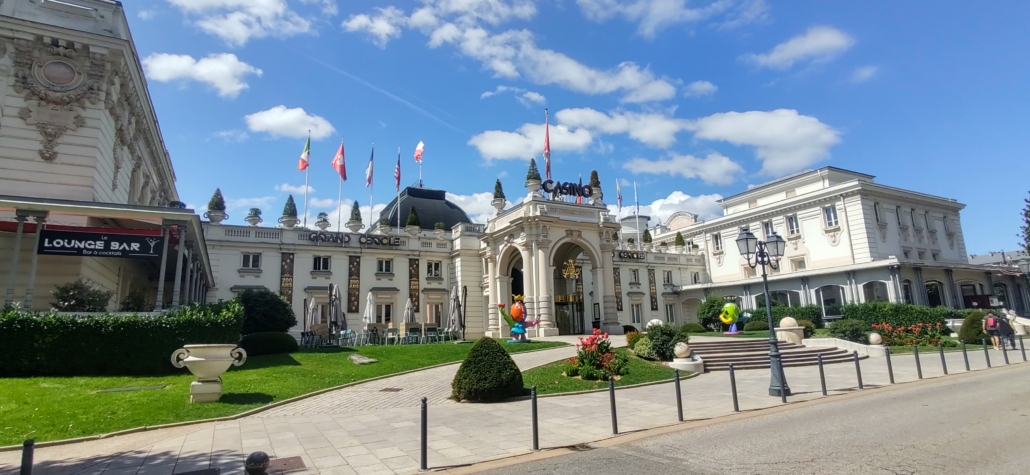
(500, 305)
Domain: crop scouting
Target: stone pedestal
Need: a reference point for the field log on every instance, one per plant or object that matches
(693, 364)
(540, 331)
(1019, 328)
(790, 334)
(205, 391)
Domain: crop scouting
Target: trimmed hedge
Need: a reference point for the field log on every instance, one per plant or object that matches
(47, 344)
(269, 343)
(851, 330)
(663, 340)
(898, 314)
(693, 328)
(266, 311)
(487, 374)
(972, 332)
(754, 326)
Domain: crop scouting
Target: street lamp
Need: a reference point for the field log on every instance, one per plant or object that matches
(764, 254)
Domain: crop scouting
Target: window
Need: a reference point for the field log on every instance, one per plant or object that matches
(670, 313)
(906, 290)
(768, 229)
(912, 217)
(384, 313)
(830, 216)
(935, 256)
(876, 212)
(797, 265)
(897, 214)
(926, 221)
(636, 309)
(695, 277)
(717, 242)
(922, 255)
(792, 225)
(251, 261)
(321, 263)
(945, 219)
(635, 273)
(748, 272)
(934, 293)
(433, 268)
(384, 266)
(906, 253)
(667, 277)
(435, 312)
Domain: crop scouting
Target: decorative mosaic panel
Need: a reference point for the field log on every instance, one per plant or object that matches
(286, 277)
(354, 284)
(618, 288)
(654, 289)
(413, 277)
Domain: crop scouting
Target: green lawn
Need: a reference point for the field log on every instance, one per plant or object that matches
(52, 408)
(548, 378)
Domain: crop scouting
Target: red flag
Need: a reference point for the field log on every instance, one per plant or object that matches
(397, 171)
(547, 146)
(418, 151)
(579, 198)
(338, 163)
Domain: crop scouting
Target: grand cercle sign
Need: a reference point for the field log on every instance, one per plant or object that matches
(362, 239)
(568, 188)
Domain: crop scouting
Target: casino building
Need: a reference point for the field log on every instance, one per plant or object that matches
(87, 190)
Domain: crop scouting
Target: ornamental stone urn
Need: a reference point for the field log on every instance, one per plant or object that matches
(533, 186)
(789, 331)
(647, 246)
(354, 226)
(289, 222)
(322, 224)
(383, 229)
(439, 233)
(412, 230)
(678, 249)
(207, 363)
(216, 216)
(595, 197)
(498, 204)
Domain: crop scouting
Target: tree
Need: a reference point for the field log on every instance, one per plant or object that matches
(217, 203)
(254, 212)
(413, 218)
(647, 236)
(355, 212)
(1026, 227)
(498, 190)
(264, 311)
(80, 296)
(290, 210)
(679, 239)
(595, 182)
(533, 173)
(709, 310)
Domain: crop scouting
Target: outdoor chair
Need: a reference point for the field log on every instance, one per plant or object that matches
(414, 335)
(431, 336)
(348, 338)
(367, 337)
(392, 334)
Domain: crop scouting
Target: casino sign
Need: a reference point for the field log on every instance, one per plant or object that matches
(568, 188)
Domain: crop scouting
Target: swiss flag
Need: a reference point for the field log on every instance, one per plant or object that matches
(338, 163)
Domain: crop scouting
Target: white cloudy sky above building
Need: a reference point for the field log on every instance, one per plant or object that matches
(692, 100)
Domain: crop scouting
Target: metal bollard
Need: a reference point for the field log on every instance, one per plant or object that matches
(965, 356)
(611, 398)
(424, 463)
(1021, 347)
(26, 456)
(783, 388)
(919, 367)
(1005, 352)
(858, 371)
(679, 398)
(890, 367)
(822, 376)
(733, 389)
(536, 431)
(944, 364)
(986, 354)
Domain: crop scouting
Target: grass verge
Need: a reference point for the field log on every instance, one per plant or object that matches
(548, 379)
(54, 408)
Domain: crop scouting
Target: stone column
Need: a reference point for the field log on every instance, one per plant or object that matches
(806, 293)
(952, 289)
(161, 274)
(1017, 297)
(177, 286)
(528, 269)
(13, 273)
(30, 289)
(544, 285)
(922, 298)
(493, 329)
(187, 290)
(990, 283)
(609, 314)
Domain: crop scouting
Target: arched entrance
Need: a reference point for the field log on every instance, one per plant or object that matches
(574, 291)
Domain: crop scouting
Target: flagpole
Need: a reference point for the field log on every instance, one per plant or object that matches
(339, 200)
(636, 214)
(307, 171)
(371, 188)
(398, 191)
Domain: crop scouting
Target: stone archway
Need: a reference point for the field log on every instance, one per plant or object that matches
(575, 283)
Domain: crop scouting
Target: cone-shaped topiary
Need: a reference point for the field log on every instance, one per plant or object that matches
(290, 209)
(595, 182)
(498, 190)
(647, 236)
(533, 173)
(972, 331)
(487, 374)
(679, 239)
(355, 212)
(217, 203)
(413, 218)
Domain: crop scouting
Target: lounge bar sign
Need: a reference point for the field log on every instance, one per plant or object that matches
(95, 244)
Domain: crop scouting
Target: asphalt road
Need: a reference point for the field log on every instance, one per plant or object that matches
(975, 424)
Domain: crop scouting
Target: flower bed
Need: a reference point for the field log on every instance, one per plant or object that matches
(922, 334)
(595, 358)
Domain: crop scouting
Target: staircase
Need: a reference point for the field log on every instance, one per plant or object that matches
(754, 354)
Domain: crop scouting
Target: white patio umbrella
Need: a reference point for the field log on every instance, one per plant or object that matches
(370, 310)
(409, 312)
(311, 315)
(454, 316)
(340, 318)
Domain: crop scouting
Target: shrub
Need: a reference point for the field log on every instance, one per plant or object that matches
(38, 344)
(80, 296)
(439, 226)
(629, 328)
(708, 312)
(217, 202)
(972, 332)
(812, 313)
(384, 222)
(809, 328)
(897, 314)
(632, 338)
(692, 328)
(290, 210)
(265, 311)
(355, 212)
(413, 218)
(136, 301)
(663, 340)
(254, 212)
(679, 239)
(323, 216)
(595, 181)
(268, 343)
(923, 334)
(851, 330)
(533, 173)
(755, 326)
(647, 236)
(498, 190)
(487, 374)
(644, 349)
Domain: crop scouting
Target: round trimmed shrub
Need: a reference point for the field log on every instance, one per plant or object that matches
(663, 340)
(693, 328)
(809, 327)
(755, 326)
(632, 338)
(265, 311)
(268, 343)
(851, 329)
(487, 374)
(972, 332)
(644, 349)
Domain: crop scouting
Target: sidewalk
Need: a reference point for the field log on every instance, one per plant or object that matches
(344, 440)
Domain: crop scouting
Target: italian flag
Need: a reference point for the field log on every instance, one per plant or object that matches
(305, 156)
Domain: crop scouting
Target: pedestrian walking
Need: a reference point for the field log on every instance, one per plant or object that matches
(1006, 333)
(992, 326)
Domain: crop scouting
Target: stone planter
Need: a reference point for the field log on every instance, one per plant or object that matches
(647, 246)
(207, 363)
(533, 186)
(412, 230)
(383, 229)
(439, 233)
(322, 224)
(354, 226)
(253, 220)
(498, 204)
(289, 222)
(216, 216)
(678, 249)
(595, 198)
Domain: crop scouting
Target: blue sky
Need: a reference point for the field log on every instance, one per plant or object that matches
(694, 100)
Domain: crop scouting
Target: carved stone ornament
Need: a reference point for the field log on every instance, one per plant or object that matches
(832, 235)
(919, 235)
(52, 121)
(903, 232)
(3, 44)
(794, 240)
(933, 236)
(573, 234)
(719, 257)
(951, 240)
(882, 227)
(58, 72)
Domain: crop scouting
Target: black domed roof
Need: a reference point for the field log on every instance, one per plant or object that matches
(431, 205)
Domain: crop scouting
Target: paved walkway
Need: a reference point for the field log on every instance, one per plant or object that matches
(386, 440)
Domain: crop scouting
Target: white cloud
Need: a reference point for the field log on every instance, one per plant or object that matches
(603, 147)
(295, 123)
(295, 189)
(529, 97)
(705, 206)
(528, 141)
(382, 27)
(526, 98)
(819, 43)
(715, 168)
(476, 205)
(784, 140)
(864, 73)
(232, 135)
(147, 14)
(329, 7)
(651, 16)
(700, 88)
(238, 21)
(746, 13)
(322, 203)
(240, 203)
(652, 129)
(225, 72)
(495, 92)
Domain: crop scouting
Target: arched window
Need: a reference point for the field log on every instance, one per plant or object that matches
(934, 293)
(875, 291)
(830, 298)
(906, 291)
(1001, 291)
(787, 298)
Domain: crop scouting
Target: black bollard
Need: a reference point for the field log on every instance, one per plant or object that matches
(919, 366)
(536, 431)
(611, 398)
(944, 364)
(424, 463)
(783, 389)
(822, 376)
(1005, 352)
(27, 450)
(965, 356)
(858, 371)
(733, 389)
(987, 355)
(679, 398)
(890, 367)
(1021, 347)
(256, 463)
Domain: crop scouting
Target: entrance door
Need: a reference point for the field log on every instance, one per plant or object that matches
(570, 318)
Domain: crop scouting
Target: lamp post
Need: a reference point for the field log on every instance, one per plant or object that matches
(768, 253)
